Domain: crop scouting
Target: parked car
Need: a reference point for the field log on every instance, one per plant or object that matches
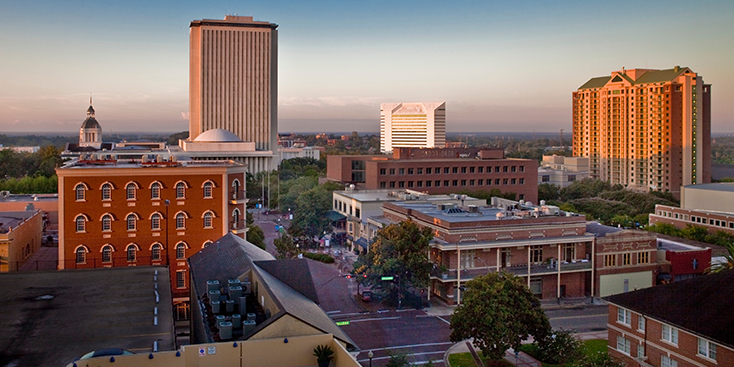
(366, 296)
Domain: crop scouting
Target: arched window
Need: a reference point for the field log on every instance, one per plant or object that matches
(235, 217)
(130, 189)
(155, 252)
(208, 190)
(132, 252)
(181, 190)
(181, 251)
(235, 189)
(106, 223)
(155, 190)
(206, 244)
(208, 217)
(81, 223)
(81, 255)
(132, 222)
(155, 222)
(107, 254)
(181, 221)
(81, 192)
(107, 191)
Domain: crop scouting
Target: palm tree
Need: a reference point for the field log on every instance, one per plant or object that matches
(728, 264)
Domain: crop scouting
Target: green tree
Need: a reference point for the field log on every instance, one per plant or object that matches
(498, 311)
(285, 247)
(598, 359)
(256, 236)
(309, 215)
(559, 347)
(548, 192)
(399, 250)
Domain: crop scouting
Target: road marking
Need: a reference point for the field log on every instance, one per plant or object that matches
(409, 355)
(378, 318)
(413, 346)
(442, 319)
(330, 312)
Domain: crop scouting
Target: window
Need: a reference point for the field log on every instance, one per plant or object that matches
(446, 170)
(106, 192)
(383, 184)
(463, 182)
(181, 251)
(504, 168)
(643, 257)
(419, 171)
(513, 169)
(610, 260)
(640, 323)
(480, 169)
(640, 350)
(428, 183)
(208, 216)
(666, 361)
(522, 181)
(623, 345)
(208, 188)
(81, 192)
(410, 171)
(454, 170)
(181, 279)
(428, 170)
(132, 253)
(180, 221)
(81, 223)
(437, 183)
(132, 221)
(180, 190)
(130, 189)
(627, 259)
(107, 254)
(463, 169)
(392, 171)
(81, 256)
(155, 190)
(382, 171)
(106, 223)
(536, 254)
(472, 169)
(401, 171)
(624, 316)
(571, 178)
(454, 183)
(206, 244)
(706, 348)
(670, 334)
(155, 221)
(401, 184)
(155, 252)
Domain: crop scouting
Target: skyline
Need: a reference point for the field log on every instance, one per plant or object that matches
(500, 67)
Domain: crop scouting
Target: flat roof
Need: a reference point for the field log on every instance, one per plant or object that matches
(30, 197)
(484, 213)
(137, 163)
(52, 317)
(13, 219)
(367, 195)
(719, 186)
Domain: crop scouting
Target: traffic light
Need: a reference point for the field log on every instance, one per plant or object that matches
(364, 275)
(348, 276)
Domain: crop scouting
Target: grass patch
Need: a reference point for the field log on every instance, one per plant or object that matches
(466, 360)
(589, 348)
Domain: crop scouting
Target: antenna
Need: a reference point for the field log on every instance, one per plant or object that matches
(90, 98)
(561, 138)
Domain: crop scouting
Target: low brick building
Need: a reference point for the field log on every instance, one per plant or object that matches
(438, 171)
(686, 323)
(20, 237)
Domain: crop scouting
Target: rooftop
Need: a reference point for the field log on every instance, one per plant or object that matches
(719, 186)
(10, 220)
(680, 304)
(52, 317)
(150, 161)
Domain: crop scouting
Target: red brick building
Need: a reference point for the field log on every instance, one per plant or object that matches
(551, 251)
(680, 324)
(132, 213)
(438, 171)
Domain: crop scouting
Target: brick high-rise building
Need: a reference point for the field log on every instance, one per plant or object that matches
(233, 82)
(645, 129)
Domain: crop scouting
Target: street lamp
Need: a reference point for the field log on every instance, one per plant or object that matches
(370, 355)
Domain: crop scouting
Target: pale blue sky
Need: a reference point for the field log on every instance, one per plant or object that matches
(500, 65)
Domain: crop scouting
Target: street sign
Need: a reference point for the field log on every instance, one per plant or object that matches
(342, 323)
(387, 278)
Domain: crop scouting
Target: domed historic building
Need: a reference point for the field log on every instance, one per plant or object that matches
(90, 134)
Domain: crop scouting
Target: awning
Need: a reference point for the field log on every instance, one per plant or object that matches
(335, 216)
(362, 242)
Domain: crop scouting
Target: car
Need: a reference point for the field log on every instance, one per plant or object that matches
(366, 296)
(102, 353)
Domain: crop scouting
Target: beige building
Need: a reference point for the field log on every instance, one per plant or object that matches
(412, 125)
(233, 80)
(710, 206)
(645, 129)
(20, 237)
(562, 171)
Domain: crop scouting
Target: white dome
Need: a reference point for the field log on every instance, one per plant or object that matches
(217, 136)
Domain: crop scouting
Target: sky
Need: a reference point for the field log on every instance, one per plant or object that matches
(500, 66)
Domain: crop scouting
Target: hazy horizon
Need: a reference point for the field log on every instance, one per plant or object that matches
(500, 66)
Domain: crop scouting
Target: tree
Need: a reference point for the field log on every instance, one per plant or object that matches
(285, 247)
(559, 347)
(309, 215)
(399, 250)
(548, 191)
(598, 359)
(498, 311)
(256, 236)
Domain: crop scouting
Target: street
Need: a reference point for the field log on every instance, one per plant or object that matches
(422, 335)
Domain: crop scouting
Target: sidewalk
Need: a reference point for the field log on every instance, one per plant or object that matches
(522, 359)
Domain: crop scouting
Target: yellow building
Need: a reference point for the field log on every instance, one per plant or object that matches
(20, 237)
(645, 129)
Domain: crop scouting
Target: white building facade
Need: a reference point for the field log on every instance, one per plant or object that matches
(412, 125)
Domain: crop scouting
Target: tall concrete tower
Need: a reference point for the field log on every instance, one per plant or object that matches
(233, 79)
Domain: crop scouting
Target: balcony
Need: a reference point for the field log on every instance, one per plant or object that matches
(238, 226)
(516, 269)
(238, 197)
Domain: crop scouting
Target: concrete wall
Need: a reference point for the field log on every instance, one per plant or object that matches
(614, 283)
